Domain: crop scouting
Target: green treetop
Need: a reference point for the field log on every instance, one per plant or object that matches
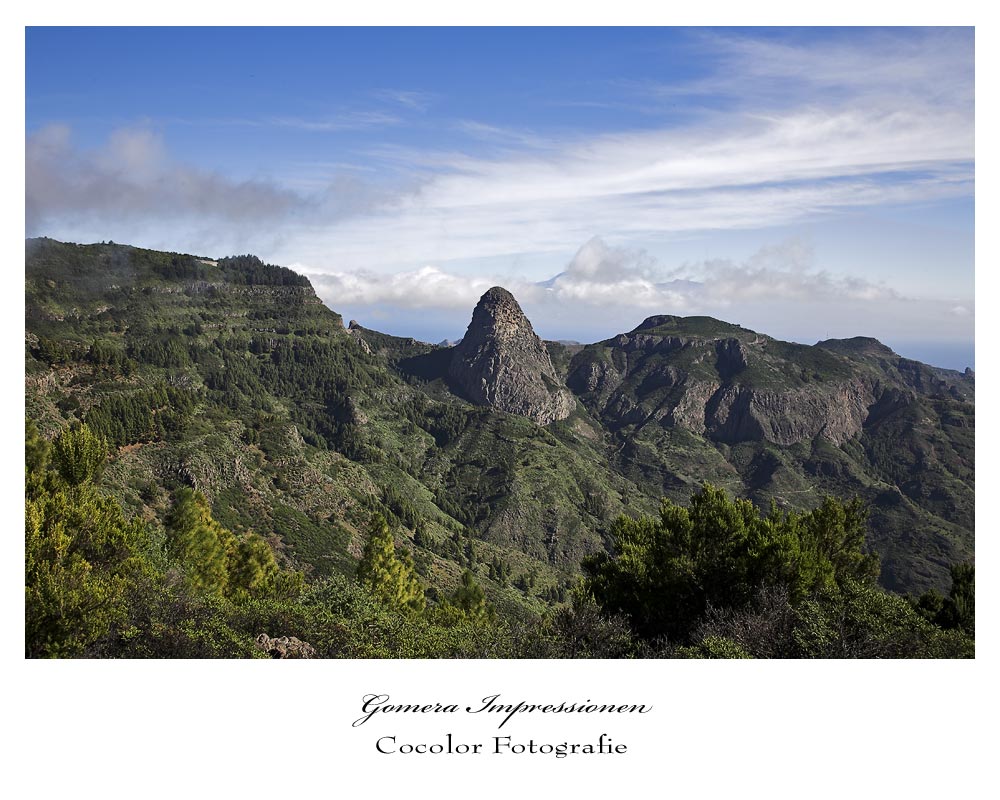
(79, 455)
(468, 602)
(667, 571)
(389, 577)
(216, 560)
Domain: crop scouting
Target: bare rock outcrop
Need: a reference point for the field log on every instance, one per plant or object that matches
(503, 364)
(285, 647)
(837, 413)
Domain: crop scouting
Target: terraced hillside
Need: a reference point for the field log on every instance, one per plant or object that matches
(230, 376)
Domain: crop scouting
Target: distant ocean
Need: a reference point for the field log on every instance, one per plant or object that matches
(951, 355)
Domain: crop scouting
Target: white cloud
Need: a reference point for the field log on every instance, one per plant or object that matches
(605, 290)
(427, 287)
(599, 275)
(783, 272)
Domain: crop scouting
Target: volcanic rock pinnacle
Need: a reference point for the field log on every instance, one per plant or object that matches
(502, 363)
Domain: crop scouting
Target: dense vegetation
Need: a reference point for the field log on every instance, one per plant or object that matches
(100, 584)
(250, 391)
(722, 579)
(210, 456)
(717, 580)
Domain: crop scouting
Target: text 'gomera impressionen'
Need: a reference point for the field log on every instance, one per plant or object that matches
(373, 704)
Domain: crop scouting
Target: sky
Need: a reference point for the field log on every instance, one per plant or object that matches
(805, 183)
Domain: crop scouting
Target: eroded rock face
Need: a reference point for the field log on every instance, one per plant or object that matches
(736, 388)
(738, 414)
(502, 363)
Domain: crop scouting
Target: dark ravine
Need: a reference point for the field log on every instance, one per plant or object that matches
(502, 446)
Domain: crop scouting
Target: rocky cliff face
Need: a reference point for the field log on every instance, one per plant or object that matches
(737, 414)
(732, 385)
(502, 363)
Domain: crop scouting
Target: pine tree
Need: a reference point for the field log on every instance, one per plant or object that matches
(471, 598)
(217, 561)
(963, 596)
(466, 604)
(81, 552)
(252, 569)
(36, 449)
(79, 455)
(667, 571)
(199, 543)
(389, 577)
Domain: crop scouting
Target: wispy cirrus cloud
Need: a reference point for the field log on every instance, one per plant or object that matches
(932, 66)
(345, 121)
(755, 171)
(334, 122)
(799, 130)
(507, 137)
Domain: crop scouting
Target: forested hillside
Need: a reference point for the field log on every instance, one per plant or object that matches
(254, 468)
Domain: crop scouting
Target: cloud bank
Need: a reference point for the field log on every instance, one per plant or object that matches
(131, 176)
(131, 189)
(599, 275)
(604, 290)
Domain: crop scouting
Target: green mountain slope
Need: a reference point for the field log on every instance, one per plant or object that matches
(233, 378)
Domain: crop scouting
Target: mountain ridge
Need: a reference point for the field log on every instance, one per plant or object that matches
(288, 403)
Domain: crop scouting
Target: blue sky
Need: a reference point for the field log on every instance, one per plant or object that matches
(803, 182)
